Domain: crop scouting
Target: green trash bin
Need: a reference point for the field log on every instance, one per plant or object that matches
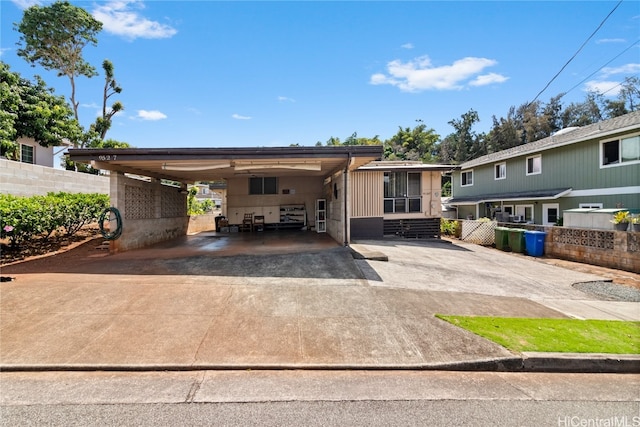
(502, 238)
(516, 240)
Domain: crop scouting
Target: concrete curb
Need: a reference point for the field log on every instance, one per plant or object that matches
(527, 362)
(581, 362)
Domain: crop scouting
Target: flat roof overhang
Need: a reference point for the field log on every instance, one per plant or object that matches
(407, 166)
(188, 165)
(510, 197)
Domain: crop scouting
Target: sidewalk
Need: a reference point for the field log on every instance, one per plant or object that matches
(298, 307)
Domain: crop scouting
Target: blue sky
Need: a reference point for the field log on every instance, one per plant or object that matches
(234, 74)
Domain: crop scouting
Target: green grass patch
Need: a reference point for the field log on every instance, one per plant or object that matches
(554, 335)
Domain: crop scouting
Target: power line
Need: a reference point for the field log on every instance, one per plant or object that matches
(577, 52)
(602, 66)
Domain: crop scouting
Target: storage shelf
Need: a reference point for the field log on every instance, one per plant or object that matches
(293, 216)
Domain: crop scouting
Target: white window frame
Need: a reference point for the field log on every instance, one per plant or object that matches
(405, 202)
(521, 210)
(33, 153)
(533, 172)
(590, 205)
(468, 171)
(545, 212)
(500, 171)
(619, 162)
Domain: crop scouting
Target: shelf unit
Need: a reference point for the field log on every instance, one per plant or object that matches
(321, 216)
(293, 216)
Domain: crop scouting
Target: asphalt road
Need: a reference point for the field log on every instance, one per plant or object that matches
(319, 398)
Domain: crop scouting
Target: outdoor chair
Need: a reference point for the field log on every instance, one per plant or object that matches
(258, 223)
(247, 222)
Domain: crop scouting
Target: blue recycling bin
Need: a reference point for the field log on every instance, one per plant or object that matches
(534, 242)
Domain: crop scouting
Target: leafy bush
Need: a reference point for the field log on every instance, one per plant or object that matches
(621, 217)
(196, 207)
(23, 218)
(448, 226)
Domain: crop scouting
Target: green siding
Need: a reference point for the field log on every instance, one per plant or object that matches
(575, 166)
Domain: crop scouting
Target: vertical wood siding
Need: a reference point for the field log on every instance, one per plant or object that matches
(367, 194)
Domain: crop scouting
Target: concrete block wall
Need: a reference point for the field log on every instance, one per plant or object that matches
(612, 249)
(604, 248)
(198, 223)
(151, 212)
(24, 179)
(336, 207)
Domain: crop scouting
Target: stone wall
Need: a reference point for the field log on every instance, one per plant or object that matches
(24, 179)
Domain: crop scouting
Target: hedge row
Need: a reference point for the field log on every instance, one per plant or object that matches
(23, 218)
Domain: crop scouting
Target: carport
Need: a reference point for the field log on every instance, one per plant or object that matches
(281, 184)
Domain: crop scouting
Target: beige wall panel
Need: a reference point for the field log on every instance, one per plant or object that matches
(367, 194)
(302, 191)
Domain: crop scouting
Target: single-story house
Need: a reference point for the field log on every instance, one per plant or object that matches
(345, 191)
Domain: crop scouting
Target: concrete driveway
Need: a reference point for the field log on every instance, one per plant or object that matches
(277, 300)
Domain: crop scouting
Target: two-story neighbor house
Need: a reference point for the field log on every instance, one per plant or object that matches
(595, 166)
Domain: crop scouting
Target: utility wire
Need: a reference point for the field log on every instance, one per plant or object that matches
(577, 52)
(602, 66)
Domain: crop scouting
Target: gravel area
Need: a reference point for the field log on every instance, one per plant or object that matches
(608, 291)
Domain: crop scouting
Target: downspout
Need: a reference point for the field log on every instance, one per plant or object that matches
(346, 216)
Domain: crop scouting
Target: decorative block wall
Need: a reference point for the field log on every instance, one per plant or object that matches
(612, 249)
(151, 212)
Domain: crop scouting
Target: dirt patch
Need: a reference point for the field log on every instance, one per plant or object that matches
(35, 255)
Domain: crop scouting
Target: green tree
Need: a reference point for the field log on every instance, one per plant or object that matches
(582, 113)
(464, 142)
(504, 133)
(551, 113)
(111, 87)
(33, 110)
(9, 106)
(627, 101)
(54, 37)
(418, 144)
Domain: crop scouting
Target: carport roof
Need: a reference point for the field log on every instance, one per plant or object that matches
(189, 165)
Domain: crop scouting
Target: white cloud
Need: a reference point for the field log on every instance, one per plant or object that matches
(25, 4)
(601, 41)
(152, 115)
(239, 117)
(286, 99)
(419, 74)
(623, 69)
(407, 46)
(609, 88)
(122, 17)
(487, 79)
(605, 85)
